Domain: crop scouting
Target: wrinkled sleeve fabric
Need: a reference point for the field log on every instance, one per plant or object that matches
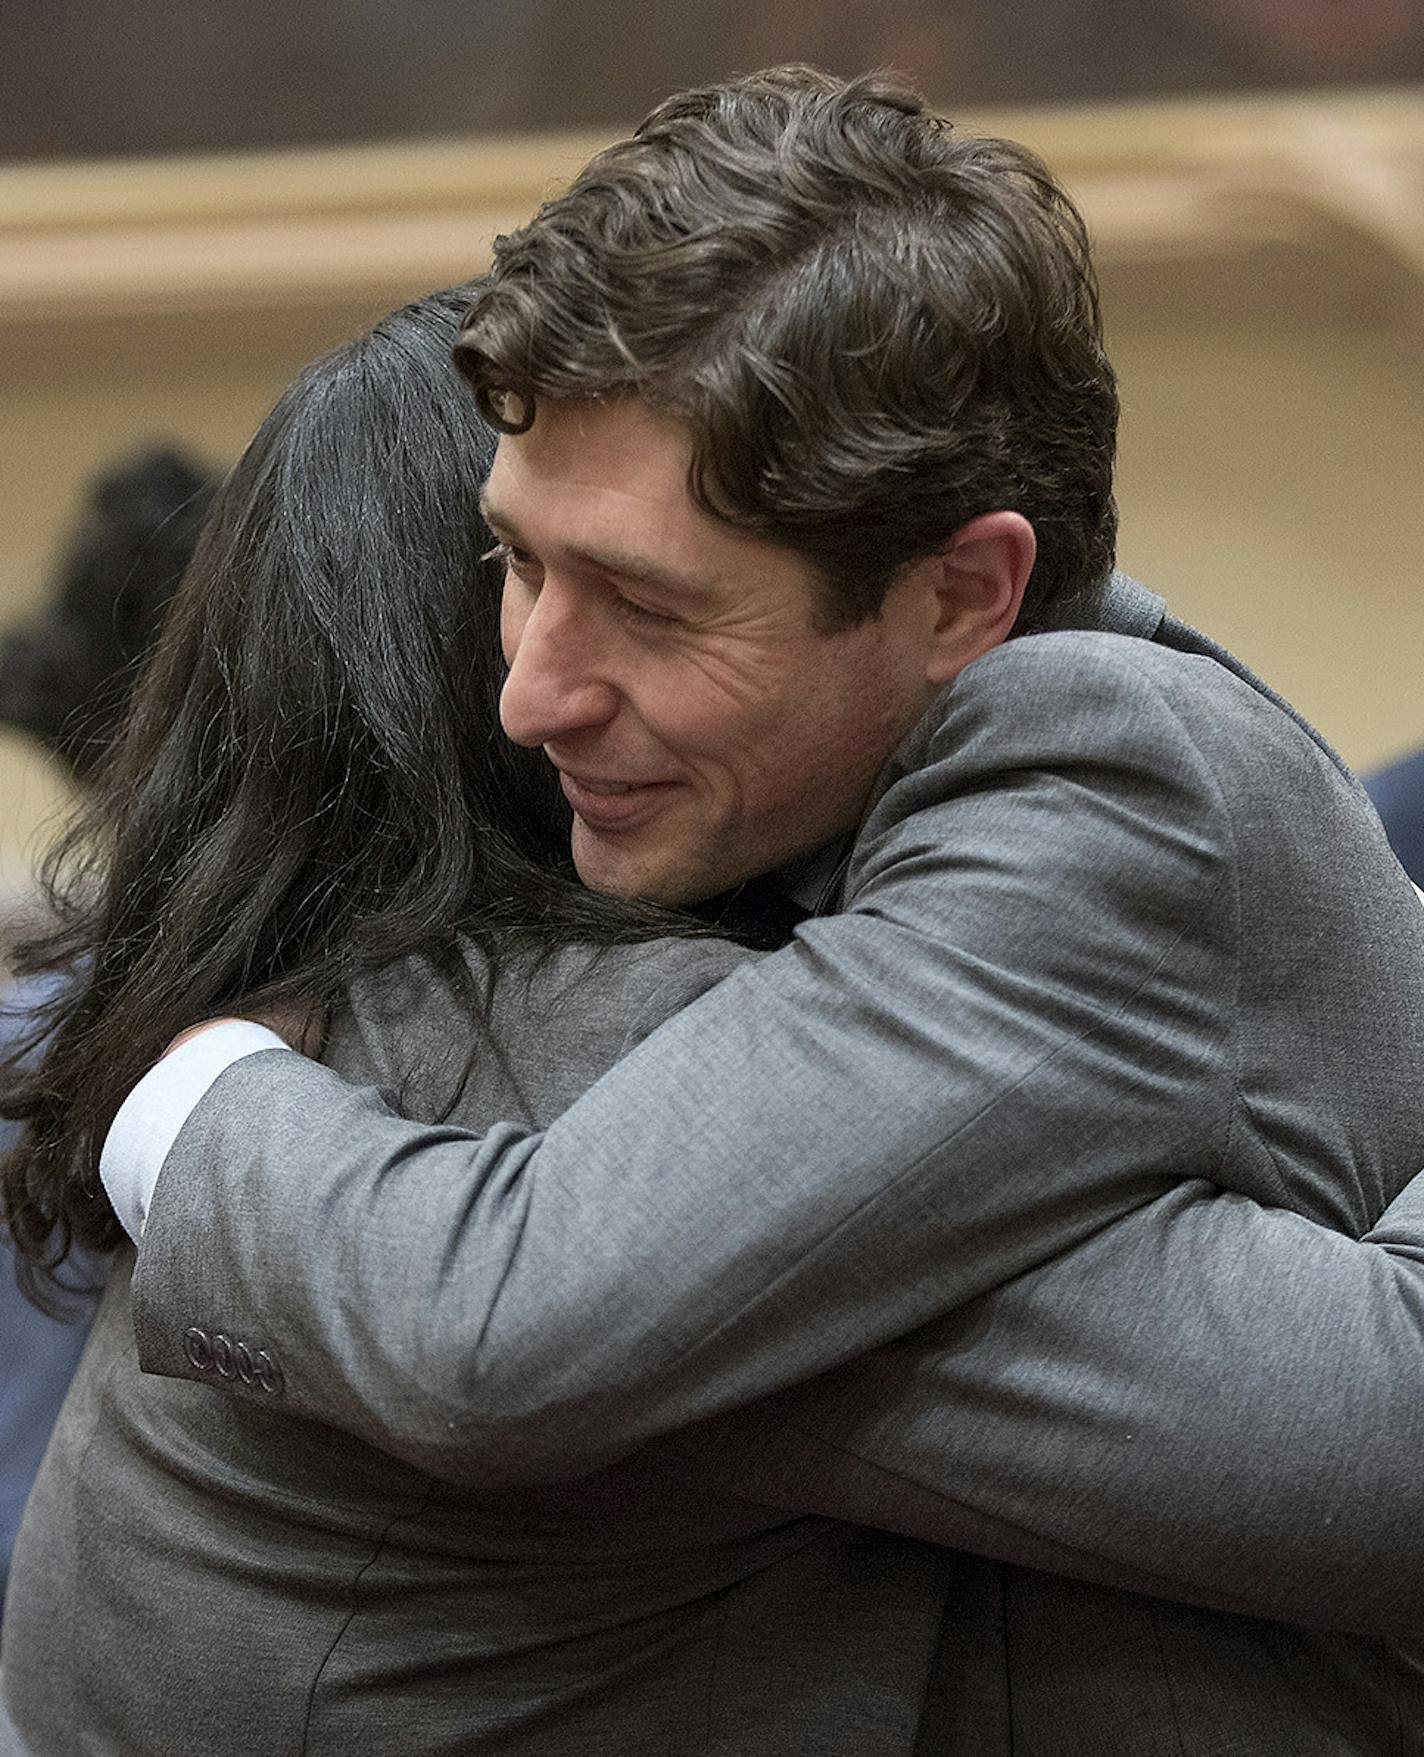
(1011, 1046)
(1208, 1400)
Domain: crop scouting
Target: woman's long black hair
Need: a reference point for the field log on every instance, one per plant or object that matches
(312, 780)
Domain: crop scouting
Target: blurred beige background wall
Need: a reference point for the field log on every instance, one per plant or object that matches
(1263, 276)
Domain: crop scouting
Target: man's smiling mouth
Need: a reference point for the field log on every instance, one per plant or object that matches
(608, 804)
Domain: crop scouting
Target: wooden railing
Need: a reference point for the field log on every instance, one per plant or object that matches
(1236, 181)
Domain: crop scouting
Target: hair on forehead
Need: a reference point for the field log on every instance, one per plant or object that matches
(874, 327)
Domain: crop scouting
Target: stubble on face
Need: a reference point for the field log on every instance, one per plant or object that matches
(671, 666)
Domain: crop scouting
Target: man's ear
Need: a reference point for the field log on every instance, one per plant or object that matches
(976, 582)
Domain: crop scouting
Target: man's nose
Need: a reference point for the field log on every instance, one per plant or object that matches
(557, 684)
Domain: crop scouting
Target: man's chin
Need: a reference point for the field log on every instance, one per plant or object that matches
(615, 869)
(619, 869)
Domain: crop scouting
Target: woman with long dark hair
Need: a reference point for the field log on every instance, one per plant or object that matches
(312, 781)
(312, 803)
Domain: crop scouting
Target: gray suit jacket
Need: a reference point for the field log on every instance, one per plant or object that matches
(1120, 940)
(201, 1576)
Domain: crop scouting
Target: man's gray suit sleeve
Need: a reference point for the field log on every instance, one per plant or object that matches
(1016, 1038)
(1207, 1401)
(1225, 1408)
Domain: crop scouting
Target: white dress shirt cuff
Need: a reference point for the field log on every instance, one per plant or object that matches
(148, 1122)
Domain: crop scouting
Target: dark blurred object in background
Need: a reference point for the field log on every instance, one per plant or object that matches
(85, 80)
(1321, 39)
(65, 674)
(1398, 793)
(65, 677)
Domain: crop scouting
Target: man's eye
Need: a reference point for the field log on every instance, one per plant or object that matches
(635, 612)
(508, 556)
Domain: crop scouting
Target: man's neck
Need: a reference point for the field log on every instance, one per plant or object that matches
(764, 911)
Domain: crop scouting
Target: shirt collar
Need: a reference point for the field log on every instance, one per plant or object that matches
(813, 881)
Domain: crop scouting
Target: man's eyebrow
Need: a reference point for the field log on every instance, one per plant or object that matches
(646, 573)
(627, 567)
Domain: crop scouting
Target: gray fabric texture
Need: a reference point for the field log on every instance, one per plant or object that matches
(1122, 999)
